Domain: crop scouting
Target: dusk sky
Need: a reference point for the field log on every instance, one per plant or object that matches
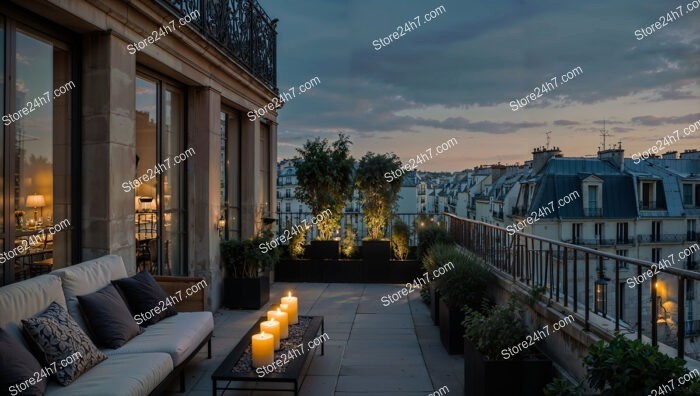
(454, 76)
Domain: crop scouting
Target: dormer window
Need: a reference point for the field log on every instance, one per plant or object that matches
(592, 196)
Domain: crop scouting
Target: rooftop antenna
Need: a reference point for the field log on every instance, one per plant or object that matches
(604, 133)
(548, 138)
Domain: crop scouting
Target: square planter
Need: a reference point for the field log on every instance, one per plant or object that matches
(324, 250)
(451, 330)
(246, 293)
(434, 304)
(486, 377)
(343, 271)
(375, 258)
(403, 271)
(288, 270)
(312, 270)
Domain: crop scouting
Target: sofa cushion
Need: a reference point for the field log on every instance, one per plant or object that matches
(58, 337)
(86, 278)
(177, 335)
(27, 298)
(146, 299)
(18, 366)
(110, 322)
(122, 375)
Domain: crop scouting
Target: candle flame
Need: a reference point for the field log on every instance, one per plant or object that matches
(278, 310)
(263, 333)
(272, 320)
(290, 294)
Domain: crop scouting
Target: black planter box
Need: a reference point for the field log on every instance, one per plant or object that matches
(375, 257)
(324, 250)
(434, 304)
(451, 330)
(288, 270)
(342, 271)
(246, 293)
(403, 271)
(312, 270)
(504, 377)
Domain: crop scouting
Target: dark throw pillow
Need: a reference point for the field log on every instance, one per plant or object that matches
(147, 300)
(108, 318)
(64, 346)
(20, 372)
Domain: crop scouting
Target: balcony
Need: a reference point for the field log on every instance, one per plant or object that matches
(239, 28)
(692, 236)
(592, 212)
(650, 205)
(661, 238)
(592, 242)
(498, 214)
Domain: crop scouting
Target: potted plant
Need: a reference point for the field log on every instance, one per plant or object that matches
(325, 183)
(378, 196)
(631, 367)
(402, 269)
(427, 237)
(463, 283)
(244, 262)
(486, 336)
(288, 269)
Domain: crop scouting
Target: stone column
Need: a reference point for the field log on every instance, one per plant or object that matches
(251, 191)
(203, 184)
(108, 143)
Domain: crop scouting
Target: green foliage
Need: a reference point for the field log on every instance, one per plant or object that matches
(296, 243)
(324, 172)
(500, 328)
(377, 195)
(440, 254)
(562, 387)
(347, 243)
(400, 233)
(465, 281)
(428, 235)
(631, 367)
(245, 259)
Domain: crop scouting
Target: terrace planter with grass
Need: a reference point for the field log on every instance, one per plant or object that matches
(486, 335)
(434, 304)
(463, 284)
(324, 250)
(244, 263)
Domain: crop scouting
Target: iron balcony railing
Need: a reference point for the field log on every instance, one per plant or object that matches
(692, 236)
(591, 242)
(587, 282)
(650, 205)
(593, 212)
(655, 238)
(240, 28)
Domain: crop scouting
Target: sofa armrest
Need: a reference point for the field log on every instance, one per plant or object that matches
(195, 302)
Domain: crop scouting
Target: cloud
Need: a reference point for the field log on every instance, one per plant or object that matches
(649, 120)
(565, 122)
(622, 129)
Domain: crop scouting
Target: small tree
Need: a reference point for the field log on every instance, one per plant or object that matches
(347, 243)
(377, 194)
(400, 234)
(324, 173)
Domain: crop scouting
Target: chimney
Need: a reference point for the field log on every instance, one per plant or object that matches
(690, 154)
(615, 156)
(669, 155)
(541, 155)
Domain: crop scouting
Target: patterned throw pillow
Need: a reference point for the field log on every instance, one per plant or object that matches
(61, 341)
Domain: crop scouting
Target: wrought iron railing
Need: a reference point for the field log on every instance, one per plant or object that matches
(650, 205)
(591, 242)
(415, 222)
(240, 28)
(652, 238)
(572, 278)
(592, 212)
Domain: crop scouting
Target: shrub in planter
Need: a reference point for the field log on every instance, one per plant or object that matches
(486, 336)
(377, 194)
(325, 180)
(631, 367)
(347, 243)
(464, 282)
(562, 387)
(244, 263)
(400, 239)
(430, 235)
(296, 243)
(438, 255)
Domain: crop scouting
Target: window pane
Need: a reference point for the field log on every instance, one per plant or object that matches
(145, 195)
(174, 155)
(233, 140)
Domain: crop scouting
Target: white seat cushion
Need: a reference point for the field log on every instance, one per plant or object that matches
(120, 375)
(177, 335)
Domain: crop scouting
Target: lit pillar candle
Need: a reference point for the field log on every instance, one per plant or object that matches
(263, 349)
(273, 327)
(283, 318)
(293, 309)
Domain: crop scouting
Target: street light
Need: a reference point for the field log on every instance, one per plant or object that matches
(601, 292)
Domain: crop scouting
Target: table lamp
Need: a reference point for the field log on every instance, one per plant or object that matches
(35, 201)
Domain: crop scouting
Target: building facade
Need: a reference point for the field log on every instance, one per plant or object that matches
(145, 146)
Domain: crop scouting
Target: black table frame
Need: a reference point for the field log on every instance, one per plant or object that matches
(294, 371)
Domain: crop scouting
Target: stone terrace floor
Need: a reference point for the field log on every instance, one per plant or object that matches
(372, 349)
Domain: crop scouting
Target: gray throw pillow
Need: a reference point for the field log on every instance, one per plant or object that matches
(62, 343)
(20, 372)
(108, 318)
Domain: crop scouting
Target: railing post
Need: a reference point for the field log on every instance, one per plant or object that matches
(639, 305)
(576, 281)
(618, 300)
(588, 290)
(681, 317)
(654, 313)
(565, 276)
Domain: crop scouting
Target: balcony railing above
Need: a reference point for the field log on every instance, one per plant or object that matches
(659, 238)
(240, 28)
(650, 205)
(592, 242)
(592, 212)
